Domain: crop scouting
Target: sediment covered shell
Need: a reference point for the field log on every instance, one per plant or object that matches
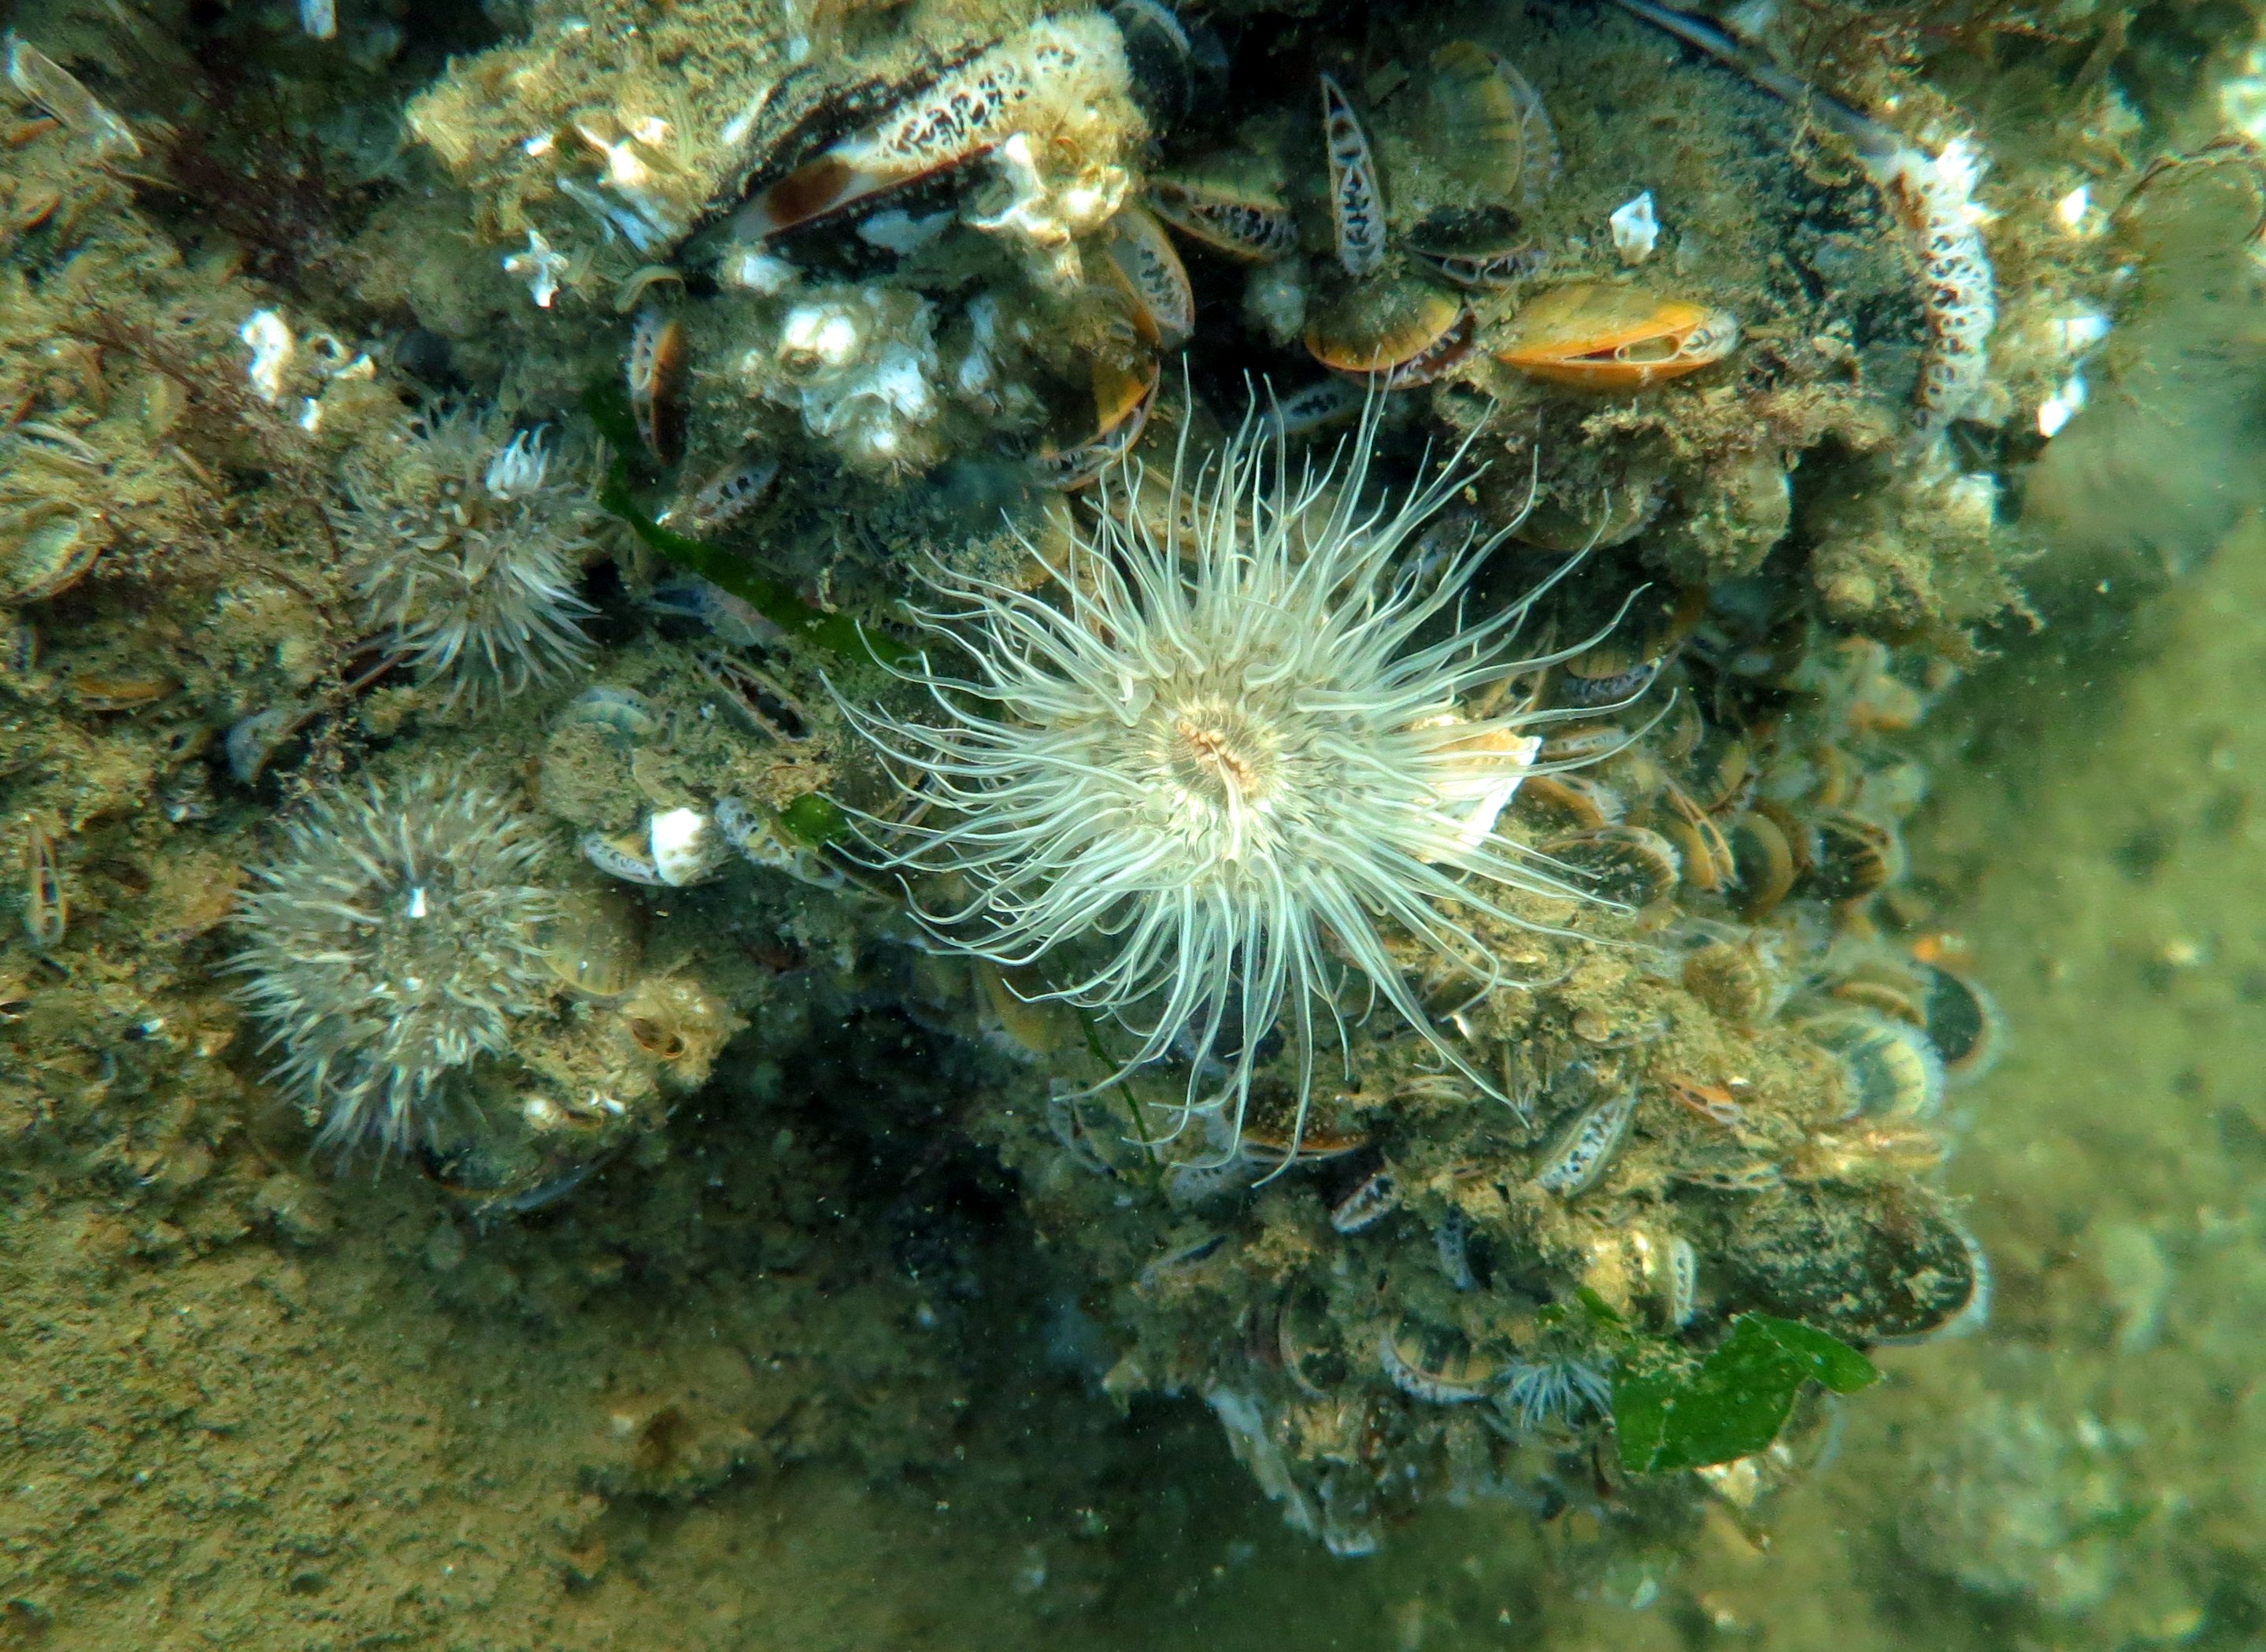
(1491, 124)
(1600, 336)
(1404, 331)
(1435, 1363)
(45, 555)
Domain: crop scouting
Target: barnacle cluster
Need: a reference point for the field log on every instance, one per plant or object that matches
(392, 945)
(466, 544)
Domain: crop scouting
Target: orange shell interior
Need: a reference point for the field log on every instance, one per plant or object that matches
(1609, 337)
(1388, 336)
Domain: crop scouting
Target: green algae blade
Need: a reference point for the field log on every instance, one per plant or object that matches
(814, 819)
(1734, 1402)
(609, 410)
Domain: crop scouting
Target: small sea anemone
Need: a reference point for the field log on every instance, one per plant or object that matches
(389, 946)
(1554, 1393)
(463, 548)
(1229, 755)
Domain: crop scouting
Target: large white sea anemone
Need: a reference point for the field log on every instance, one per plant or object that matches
(463, 549)
(390, 946)
(1208, 775)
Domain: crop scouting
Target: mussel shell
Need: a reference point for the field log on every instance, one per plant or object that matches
(622, 716)
(1855, 856)
(1763, 867)
(1895, 1074)
(1963, 1022)
(498, 1169)
(1435, 1363)
(1242, 217)
(1601, 336)
(1701, 872)
(1484, 268)
(120, 690)
(1594, 688)
(1386, 325)
(1892, 1266)
(1624, 661)
(1484, 125)
(1717, 768)
(1630, 865)
(1573, 801)
(656, 374)
(49, 556)
(1274, 1133)
(1143, 259)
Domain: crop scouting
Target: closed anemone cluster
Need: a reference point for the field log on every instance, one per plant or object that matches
(465, 542)
(389, 946)
(1223, 760)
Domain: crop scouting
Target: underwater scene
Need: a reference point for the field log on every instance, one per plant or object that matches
(895, 824)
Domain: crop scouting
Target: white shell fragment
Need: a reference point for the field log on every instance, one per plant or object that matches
(273, 347)
(1636, 229)
(539, 267)
(2063, 405)
(685, 847)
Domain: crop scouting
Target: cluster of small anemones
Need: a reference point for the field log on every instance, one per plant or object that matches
(1218, 746)
(463, 549)
(389, 946)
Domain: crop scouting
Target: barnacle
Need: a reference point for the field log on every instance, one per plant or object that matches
(1205, 768)
(390, 946)
(463, 547)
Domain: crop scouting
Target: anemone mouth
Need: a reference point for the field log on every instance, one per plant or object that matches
(1223, 763)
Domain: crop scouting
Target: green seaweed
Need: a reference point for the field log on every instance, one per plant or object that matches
(609, 410)
(814, 819)
(1733, 1403)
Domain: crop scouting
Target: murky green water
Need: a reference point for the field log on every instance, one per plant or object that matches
(547, 1097)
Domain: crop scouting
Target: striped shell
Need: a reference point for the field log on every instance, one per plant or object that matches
(1357, 195)
(1143, 259)
(1244, 219)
